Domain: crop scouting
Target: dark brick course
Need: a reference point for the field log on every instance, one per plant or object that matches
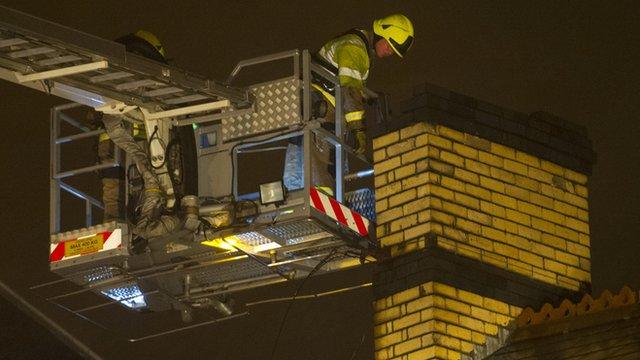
(436, 264)
(541, 134)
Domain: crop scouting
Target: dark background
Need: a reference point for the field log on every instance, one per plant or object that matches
(578, 60)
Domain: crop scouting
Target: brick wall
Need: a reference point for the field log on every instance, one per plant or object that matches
(435, 320)
(482, 200)
(484, 211)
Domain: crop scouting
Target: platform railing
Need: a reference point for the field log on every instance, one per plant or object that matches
(57, 178)
(306, 69)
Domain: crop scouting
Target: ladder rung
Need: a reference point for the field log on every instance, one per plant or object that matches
(83, 135)
(163, 91)
(110, 76)
(65, 71)
(192, 109)
(11, 42)
(58, 60)
(84, 170)
(39, 45)
(136, 84)
(31, 52)
(184, 99)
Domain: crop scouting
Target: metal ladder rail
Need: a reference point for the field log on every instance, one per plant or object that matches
(45, 50)
(20, 58)
(104, 81)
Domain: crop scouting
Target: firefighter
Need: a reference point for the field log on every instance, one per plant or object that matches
(350, 56)
(145, 44)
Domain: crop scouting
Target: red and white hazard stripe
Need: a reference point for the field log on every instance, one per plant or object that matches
(342, 214)
(110, 240)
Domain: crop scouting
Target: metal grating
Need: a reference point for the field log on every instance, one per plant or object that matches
(253, 238)
(293, 232)
(362, 201)
(277, 105)
(99, 274)
(230, 271)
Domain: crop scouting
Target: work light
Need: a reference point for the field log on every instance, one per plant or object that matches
(272, 192)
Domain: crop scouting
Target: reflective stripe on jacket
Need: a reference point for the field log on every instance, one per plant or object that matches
(350, 56)
(136, 130)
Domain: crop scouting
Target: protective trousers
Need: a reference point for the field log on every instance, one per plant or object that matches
(112, 194)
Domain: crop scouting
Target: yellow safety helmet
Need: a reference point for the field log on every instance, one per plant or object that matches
(152, 40)
(144, 43)
(397, 29)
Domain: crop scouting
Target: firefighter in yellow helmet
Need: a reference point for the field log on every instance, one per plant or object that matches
(145, 44)
(351, 55)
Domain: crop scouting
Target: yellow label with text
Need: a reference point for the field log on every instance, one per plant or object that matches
(83, 246)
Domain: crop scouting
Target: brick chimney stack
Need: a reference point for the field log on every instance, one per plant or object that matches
(484, 211)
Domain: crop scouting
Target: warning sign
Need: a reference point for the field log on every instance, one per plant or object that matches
(83, 246)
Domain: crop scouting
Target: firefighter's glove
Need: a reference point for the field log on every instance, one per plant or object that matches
(361, 141)
(318, 105)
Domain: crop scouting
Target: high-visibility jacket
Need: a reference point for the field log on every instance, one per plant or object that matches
(350, 55)
(137, 131)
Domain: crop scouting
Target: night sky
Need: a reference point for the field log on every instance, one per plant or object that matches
(576, 59)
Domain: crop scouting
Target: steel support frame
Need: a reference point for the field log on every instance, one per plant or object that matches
(308, 67)
(81, 42)
(294, 54)
(309, 130)
(339, 126)
(124, 278)
(339, 169)
(210, 117)
(56, 183)
(187, 110)
(239, 146)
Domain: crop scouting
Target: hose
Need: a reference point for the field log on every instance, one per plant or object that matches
(154, 136)
(151, 222)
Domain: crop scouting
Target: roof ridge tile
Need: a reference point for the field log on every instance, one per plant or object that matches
(566, 309)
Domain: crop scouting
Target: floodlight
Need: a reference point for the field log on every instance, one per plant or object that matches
(272, 192)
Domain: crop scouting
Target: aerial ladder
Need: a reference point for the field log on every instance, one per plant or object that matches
(235, 227)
